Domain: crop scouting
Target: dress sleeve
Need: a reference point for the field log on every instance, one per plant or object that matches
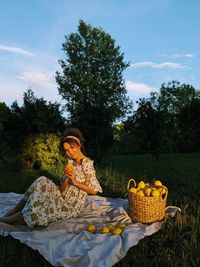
(90, 176)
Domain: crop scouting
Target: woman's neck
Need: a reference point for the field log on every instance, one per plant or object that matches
(79, 158)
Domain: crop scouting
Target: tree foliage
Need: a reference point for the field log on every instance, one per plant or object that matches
(35, 116)
(174, 96)
(167, 121)
(91, 82)
(41, 151)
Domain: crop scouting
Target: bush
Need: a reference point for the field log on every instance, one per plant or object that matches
(41, 152)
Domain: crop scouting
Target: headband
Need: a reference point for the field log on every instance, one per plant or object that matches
(74, 138)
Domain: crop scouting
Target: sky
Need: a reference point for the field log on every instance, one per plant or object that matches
(159, 38)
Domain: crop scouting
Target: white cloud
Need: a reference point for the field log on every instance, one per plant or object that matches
(36, 77)
(182, 55)
(153, 65)
(15, 50)
(138, 88)
(12, 89)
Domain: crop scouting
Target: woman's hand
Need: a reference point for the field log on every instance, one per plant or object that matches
(70, 174)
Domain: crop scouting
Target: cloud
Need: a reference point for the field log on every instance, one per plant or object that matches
(182, 55)
(138, 88)
(12, 89)
(15, 50)
(40, 78)
(170, 65)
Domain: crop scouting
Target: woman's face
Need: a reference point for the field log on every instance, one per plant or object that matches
(72, 150)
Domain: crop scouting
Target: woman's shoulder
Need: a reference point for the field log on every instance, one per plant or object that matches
(87, 160)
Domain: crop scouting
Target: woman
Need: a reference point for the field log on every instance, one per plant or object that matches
(44, 202)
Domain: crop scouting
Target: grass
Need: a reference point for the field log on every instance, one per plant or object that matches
(176, 244)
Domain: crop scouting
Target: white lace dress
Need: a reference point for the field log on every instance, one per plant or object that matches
(46, 203)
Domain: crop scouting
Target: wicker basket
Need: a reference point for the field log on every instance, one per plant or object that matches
(146, 209)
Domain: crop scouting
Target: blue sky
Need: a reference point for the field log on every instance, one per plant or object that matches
(160, 39)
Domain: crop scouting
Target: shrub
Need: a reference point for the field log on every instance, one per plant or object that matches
(42, 152)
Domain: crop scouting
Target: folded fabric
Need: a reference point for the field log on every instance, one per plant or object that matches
(67, 243)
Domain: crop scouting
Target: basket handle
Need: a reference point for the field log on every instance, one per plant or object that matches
(131, 180)
(166, 193)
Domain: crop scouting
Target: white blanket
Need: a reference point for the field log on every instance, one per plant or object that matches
(67, 243)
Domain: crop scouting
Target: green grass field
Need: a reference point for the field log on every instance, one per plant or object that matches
(176, 244)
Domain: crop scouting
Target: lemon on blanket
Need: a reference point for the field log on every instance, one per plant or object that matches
(91, 228)
(111, 227)
(105, 230)
(117, 231)
(122, 225)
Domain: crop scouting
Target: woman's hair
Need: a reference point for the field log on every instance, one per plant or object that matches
(74, 136)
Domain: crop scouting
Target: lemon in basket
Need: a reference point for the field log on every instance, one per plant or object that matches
(147, 191)
(133, 190)
(141, 185)
(140, 193)
(157, 183)
(91, 228)
(155, 193)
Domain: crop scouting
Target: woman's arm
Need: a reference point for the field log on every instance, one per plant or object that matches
(84, 187)
(64, 184)
(72, 181)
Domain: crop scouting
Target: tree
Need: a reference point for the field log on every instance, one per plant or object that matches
(144, 127)
(172, 99)
(36, 115)
(5, 116)
(33, 117)
(91, 82)
(189, 125)
(173, 96)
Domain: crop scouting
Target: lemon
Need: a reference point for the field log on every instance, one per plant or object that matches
(133, 190)
(141, 185)
(140, 193)
(122, 225)
(147, 192)
(157, 183)
(155, 193)
(117, 231)
(105, 230)
(111, 227)
(91, 228)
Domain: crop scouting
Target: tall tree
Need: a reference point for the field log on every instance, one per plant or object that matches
(92, 84)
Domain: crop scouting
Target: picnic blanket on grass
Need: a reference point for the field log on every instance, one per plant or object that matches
(67, 243)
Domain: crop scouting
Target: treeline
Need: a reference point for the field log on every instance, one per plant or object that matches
(168, 121)
(165, 122)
